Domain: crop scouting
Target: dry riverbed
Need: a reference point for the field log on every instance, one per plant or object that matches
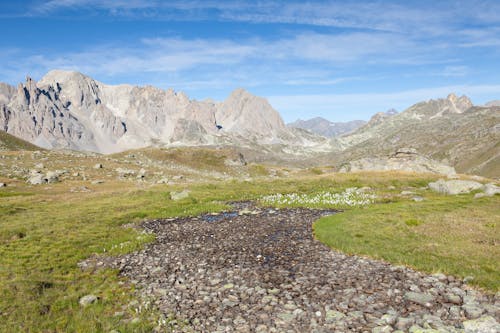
(261, 270)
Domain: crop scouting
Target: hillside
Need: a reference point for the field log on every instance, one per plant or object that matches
(327, 128)
(10, 142)
(449, 130)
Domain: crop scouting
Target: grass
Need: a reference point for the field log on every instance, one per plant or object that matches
(46, 230)
(454, 235)
(10, 142)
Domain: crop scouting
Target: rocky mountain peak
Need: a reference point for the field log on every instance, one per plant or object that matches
(67, 109)
(460, 104)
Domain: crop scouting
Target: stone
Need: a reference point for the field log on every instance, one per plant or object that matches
(37, 179)
(3, 185)
(162, 181)
(491, 189)
(52, 177)
(452, 298)
(486, 324)
(423, 299)
(383, 329)
(123, 173)
(454, 187)
(417, 198)
(88, 300)
(142, 173)
(472, 311)
(98, 166)
(97, 182)
(332, 316)
(176, 196)
(404, 323)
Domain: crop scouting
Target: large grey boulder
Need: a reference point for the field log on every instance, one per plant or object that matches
(179, 195)
(52, 177)
(491, 189)
(455, 186)
(36, 179)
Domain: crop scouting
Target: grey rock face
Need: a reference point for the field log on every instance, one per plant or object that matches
(70, 110)
(456, 186)
(405, 159)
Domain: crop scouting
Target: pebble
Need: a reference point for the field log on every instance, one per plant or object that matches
(267, 273)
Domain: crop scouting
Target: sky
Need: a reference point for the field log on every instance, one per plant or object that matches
(341, 60)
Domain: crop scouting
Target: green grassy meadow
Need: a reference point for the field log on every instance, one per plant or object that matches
(46, 230)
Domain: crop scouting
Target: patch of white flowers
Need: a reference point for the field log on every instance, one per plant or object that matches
(350, 197)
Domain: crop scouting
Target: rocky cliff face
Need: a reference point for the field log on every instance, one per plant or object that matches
(70, 110)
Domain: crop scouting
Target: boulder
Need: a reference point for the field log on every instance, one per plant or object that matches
(455, 186)
(179, 195)
(124, 172)
(486, 324)
(98, 166)
(52, 177)
(88, 300)
(36, 179)
(3, 185)
(491, 189)
(163, 181)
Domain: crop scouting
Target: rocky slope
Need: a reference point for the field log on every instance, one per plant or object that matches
(70, 110)
(449, 130)
(327, 128)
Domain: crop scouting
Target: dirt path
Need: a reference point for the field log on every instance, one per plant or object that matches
(261, 271)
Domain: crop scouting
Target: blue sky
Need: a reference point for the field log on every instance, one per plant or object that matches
(341, 60)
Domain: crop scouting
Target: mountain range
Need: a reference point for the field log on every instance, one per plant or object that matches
(327, 128)
(68, 110)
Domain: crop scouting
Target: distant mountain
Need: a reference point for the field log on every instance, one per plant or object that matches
(327, 128)
(70, 110)
(450, 130)
(493, 103)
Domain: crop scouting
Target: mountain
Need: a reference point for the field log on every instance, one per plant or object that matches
(493, 103)
(70, 110)
(449, 130)
(327, 128)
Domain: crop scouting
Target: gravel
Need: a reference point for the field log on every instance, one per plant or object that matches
(261, 270)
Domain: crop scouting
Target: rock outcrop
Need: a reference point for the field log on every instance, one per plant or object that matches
(449, 130)
(404, 159)
(70, 110)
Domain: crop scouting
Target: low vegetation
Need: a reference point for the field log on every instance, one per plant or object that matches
(453, 235)
(46, 230)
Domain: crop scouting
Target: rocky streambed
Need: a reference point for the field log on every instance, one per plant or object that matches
(261, 270)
